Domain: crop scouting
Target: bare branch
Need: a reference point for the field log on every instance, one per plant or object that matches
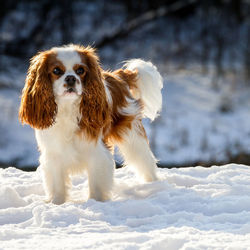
(149, 16)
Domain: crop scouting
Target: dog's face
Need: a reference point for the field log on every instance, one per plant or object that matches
(71, 72)
(67, 71)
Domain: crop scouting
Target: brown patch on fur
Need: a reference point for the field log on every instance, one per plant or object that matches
(38, 107)
(94, 107)
(97, 115)
(118, 84)
(77, 66)
(129, 77)
(53, 63)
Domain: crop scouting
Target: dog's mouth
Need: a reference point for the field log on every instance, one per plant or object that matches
(70, 91)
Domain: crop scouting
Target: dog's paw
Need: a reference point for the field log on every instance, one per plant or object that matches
(58, 200)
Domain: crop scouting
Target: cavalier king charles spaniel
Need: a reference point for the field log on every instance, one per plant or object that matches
(80, 112)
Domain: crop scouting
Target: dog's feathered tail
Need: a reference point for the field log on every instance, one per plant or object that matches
(149, 84)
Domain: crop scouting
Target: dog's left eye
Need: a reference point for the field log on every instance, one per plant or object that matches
(80, 71)
(57, 71)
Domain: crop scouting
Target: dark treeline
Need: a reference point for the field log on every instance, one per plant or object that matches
(235, 10)
(222, 21)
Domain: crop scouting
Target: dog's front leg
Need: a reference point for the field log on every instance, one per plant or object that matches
(56, 179)
(100, 173)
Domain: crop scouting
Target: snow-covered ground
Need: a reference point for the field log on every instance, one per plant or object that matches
(192, 208)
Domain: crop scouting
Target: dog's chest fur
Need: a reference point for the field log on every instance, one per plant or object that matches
(64, 139)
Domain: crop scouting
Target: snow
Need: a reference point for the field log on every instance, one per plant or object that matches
(192, 128)
(189, 208)
(17, 142)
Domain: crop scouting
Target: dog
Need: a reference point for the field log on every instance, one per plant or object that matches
(80, 112)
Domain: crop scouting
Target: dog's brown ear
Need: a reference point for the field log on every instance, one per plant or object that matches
(38, 107)
(94, 107)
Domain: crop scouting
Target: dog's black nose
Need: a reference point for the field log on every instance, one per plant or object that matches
(70, 80)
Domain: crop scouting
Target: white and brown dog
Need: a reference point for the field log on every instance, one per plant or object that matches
(80, 112)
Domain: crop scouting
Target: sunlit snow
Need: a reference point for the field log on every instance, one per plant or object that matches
(190, 208)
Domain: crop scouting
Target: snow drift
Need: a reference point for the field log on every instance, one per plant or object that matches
(192, 208)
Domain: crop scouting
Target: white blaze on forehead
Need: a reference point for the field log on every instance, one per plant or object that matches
(68, 56)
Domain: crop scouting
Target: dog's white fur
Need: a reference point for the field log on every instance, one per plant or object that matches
(64, 154)
(149, 84)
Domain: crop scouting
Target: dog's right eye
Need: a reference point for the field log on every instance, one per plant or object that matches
(57, 71)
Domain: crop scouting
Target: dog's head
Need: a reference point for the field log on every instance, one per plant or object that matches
(60, 74)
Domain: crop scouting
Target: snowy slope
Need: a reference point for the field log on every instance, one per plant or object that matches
(192, 208)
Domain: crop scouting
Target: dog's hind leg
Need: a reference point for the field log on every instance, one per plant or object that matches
(136, 152)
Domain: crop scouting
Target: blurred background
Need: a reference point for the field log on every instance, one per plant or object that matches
(201, 48)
